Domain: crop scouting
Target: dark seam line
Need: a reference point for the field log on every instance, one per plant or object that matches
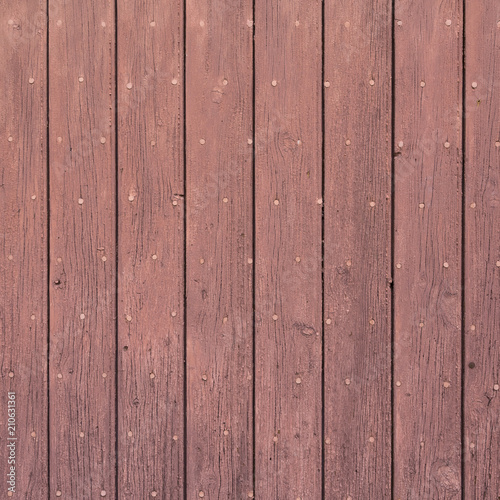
(392, 243)
(185, 482)
(116, 254)
(47, 39)
(462, 336)
(323, 176)
(254, 256)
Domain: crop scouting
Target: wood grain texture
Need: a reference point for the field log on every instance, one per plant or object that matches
(288, 176)
(427, 249)
(23, 243)
(357, 302)
(219, 243)
(482, 252)
(82, 248)
(151, 250)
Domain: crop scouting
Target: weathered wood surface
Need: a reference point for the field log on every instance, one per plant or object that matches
(427, 249)
(219, 249)
(481, 444)
(245, 253)
(150, 250)
(82, 248)
(357, 228)
(288, 216)
(24, 245)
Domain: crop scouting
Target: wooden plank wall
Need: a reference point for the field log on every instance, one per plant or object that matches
(250, 249)
(288, 232)
(219, 242)
(427, 248)
(24, 248)
(82, 255)
(357, 251)
(481, 403)
(150, 204)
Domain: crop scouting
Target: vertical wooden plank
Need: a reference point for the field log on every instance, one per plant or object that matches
(82, 248)
(288, 179)
(24, 245)
(357, 314)
(427, 249)
(482, 251)
(151, 249)
(219, 245)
